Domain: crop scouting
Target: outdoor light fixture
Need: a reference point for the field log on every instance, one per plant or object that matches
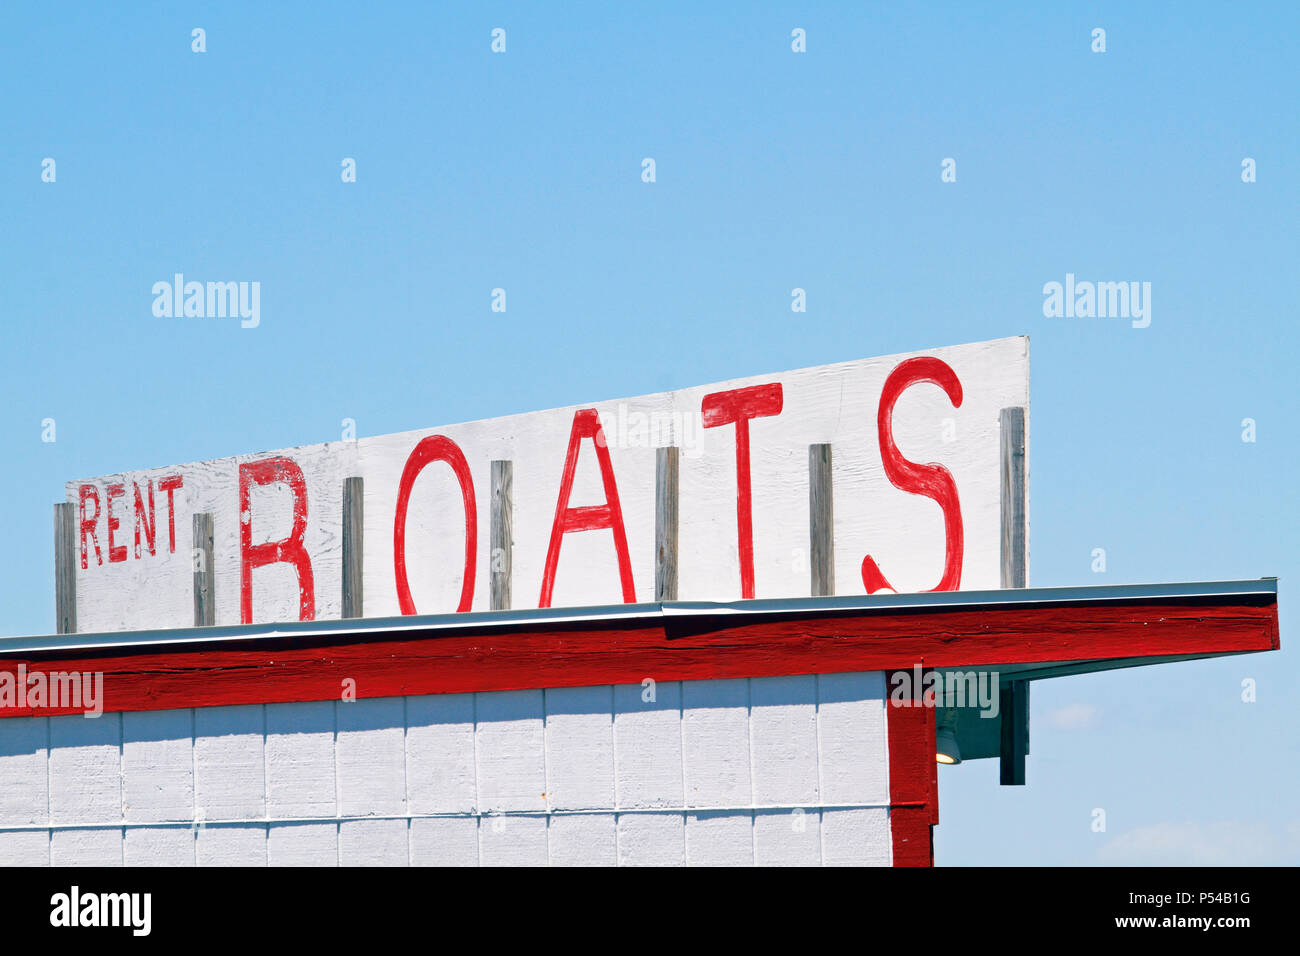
(945, 746)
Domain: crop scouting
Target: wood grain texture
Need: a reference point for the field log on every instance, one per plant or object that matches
(65, 568)
(715, 727)
(163, 846)
(667, 517)
(831, 404)
(205, 571)
(354, 526)
(302, 844)
(374, 843)
(230, 762)
(673, 777)
(579, 725)
(669, 649)
(502, 534)
(85, 769)
(1012, 425)
(821, 521)
(854, 763)
(231, 845)
(444, 841)
(913, 784)
(589, 839)
(157, 766)
(88, 847)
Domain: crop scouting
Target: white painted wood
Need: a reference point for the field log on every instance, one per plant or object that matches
(580, 748)
(158, 766)
(97, 847)
(835, 404)
(440, 768)
(648, 746)
(510, 755)
(372, 757)
(86, 769)
(160, 846)
(787, 837)
(24, 847)
(707, 773)
(852, 738)
(300, 776)
(715, 743)
(719, 838)
(302, 844)
(231, 845)
(651, 839)
(858, 837)
(373, 843)
(783, 740)
(586, 839)
(24, 775)
(230, 762)
(444, 841)
(512, 841)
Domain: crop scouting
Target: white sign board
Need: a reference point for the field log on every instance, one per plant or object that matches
(916, 479)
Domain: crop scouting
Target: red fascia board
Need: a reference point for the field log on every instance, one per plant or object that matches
(688, 644)
(913, 783)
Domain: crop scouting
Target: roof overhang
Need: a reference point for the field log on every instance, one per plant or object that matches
(1026, 634)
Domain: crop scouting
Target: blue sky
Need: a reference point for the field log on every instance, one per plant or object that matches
(818, 170)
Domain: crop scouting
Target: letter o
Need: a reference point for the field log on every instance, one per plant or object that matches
(431, 449)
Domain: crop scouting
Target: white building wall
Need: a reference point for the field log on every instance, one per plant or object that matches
(776, 770)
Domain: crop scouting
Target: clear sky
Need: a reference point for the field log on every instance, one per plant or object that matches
(774, 170)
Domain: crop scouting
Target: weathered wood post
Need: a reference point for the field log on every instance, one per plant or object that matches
(821, 521)
(205, 572)
(1015, 487)
(353, 545)
(501, 534)
(667, 473)
(65, 568)
(1014, 695)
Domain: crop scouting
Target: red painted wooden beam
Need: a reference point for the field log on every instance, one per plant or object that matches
(463, 653)
(913, 783)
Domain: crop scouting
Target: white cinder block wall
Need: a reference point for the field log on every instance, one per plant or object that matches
(776, 770)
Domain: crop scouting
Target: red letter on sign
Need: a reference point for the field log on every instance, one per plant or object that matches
(273, 471)
(932, 480)
(88, 524)
(115, 553)
(740, 405)
(431, 449)
(586, 424)
(149, 520)
(169, 485)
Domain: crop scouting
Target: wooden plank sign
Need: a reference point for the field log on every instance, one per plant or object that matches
(573, 506)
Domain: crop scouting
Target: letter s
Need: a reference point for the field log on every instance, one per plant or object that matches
(932, 480)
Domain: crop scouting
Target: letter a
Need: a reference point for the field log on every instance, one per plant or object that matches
(586, 424)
